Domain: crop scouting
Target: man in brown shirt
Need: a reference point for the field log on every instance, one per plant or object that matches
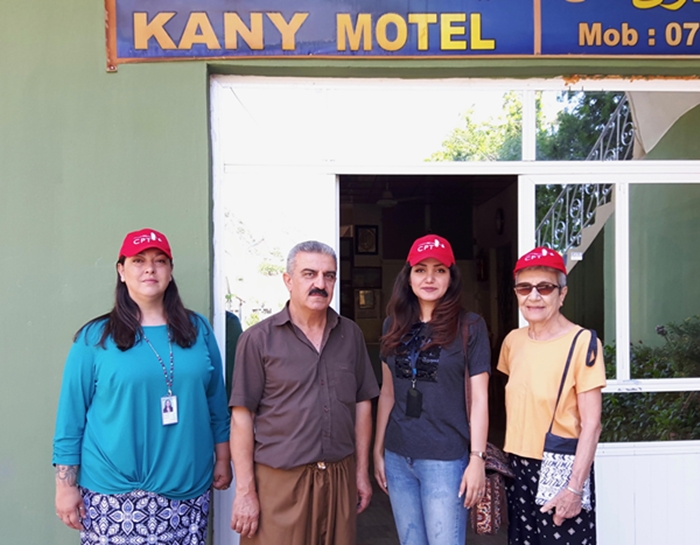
(301, 415)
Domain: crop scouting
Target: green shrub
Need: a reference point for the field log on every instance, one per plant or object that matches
(665, 416)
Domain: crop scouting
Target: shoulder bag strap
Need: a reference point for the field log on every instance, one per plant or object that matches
(563, 377)
(464, 333)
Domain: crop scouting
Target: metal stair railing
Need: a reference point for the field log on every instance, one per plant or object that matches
(575, 207)
(616, 140)
(573, 211)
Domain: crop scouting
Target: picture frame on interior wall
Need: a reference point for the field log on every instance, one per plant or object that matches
(366, 239)
(367, 305)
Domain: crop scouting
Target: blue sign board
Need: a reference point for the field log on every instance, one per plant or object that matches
(621, 27)
(156, 30)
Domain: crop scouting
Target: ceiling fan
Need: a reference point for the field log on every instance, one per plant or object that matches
(388, 200)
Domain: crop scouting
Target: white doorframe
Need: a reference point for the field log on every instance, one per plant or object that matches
(529, 173)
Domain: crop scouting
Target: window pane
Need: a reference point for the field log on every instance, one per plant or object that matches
(583, 126)
(657, 416)
(664, 287)
(578, 221)
(489, 128)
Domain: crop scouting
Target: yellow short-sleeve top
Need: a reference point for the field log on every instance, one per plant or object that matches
(534, 370)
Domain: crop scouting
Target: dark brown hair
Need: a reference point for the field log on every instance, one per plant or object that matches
(404, 310)
(123, 323)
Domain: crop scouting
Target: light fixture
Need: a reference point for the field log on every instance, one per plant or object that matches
(387, 200)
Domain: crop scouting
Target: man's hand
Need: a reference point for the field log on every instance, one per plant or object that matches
(246, 513)
(364, 491)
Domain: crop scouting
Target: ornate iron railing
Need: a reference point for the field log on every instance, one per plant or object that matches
(616, 141)
(574, 208)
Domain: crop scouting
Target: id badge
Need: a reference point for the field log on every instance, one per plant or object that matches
(168, 410)
(414, 402)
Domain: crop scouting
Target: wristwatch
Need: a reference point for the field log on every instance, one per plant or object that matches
(479, 454)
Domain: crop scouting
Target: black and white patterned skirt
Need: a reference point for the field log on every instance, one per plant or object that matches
(143, 518)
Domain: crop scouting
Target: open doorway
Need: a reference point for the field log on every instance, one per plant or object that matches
(380, 216)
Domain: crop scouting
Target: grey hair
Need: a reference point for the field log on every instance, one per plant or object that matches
(310, 247)
(561, 277)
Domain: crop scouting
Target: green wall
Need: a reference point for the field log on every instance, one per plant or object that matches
(86, 156)
(585, 300)
(664, 227)
(664, 261)
(681, 141)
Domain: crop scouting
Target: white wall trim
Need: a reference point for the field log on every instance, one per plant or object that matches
(645, 448)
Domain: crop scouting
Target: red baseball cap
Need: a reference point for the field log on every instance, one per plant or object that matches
(145, 239)
(540, 257)
(431, 246)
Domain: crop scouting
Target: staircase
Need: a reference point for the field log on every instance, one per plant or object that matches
(580, 211)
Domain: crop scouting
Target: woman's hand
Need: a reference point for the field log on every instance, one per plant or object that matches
(473, 483)
(222, 474)
(69, 503)
(379, 472)
(566, 505)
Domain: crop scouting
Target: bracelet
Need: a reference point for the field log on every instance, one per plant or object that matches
(574, 491)
(478, 454)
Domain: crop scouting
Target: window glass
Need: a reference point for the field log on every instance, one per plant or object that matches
(577, 220)
(584, 126)
(650, 416)
(488, 128)
(664, 287)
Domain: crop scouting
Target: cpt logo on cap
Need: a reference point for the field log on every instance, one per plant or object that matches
(431, 246)
(541, 257)
(138, 241)
(145, 239)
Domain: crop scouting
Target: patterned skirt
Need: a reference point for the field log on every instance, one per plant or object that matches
(527, 526)
(143, 518)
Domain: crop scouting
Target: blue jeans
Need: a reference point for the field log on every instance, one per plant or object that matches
(424, 500)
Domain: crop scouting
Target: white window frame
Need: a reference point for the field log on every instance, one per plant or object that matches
(530, 173)
(622, 174)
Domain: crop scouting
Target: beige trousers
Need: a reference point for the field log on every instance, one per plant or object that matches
(307, 505)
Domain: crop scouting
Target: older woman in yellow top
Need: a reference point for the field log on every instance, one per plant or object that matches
(534, 358)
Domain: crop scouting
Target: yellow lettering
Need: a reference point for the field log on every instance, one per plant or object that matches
(401, 32)
(611, 37)
(693, 28)
(648, 4)
(590, 35)
(362, 32)
(198, 31)
(447, 31)
(422, 20)
(630, 36)
(234, 26)
(478, 43)
(289, 29)
(144, 31)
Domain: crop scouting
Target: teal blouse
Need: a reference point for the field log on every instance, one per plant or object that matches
(109, 414)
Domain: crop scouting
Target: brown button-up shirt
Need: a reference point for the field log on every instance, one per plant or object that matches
(303, 401)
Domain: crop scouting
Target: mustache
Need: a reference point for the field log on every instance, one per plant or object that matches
(318, 291)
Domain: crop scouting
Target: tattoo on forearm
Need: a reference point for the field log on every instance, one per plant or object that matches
(67, 474)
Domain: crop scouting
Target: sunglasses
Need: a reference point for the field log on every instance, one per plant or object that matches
(543, 288)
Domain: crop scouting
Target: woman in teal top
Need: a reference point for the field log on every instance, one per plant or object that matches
(142, 424)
